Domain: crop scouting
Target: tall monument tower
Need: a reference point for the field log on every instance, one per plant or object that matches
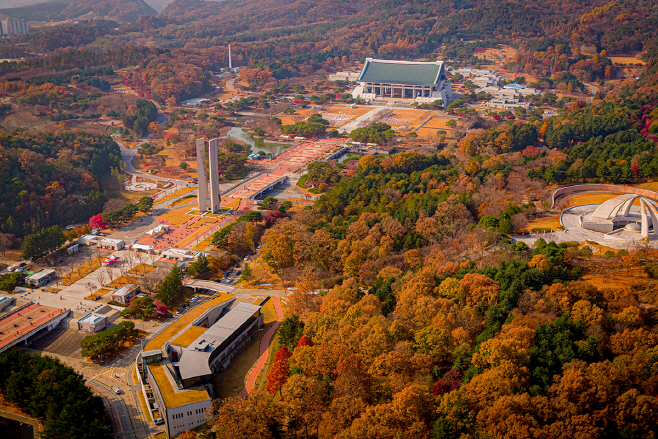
(202, 196)
(215, 197)
(230, 62)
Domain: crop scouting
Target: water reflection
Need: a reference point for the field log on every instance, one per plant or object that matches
(256, 144)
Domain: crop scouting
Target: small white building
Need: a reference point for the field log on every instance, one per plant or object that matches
(178, 254)
(41, 277)
(195, 102)
(125, 293)
(142, 248)
(111, 244)
(92, 322)
(158, 231)
(90, 240)
(507, 104)
(344, 76)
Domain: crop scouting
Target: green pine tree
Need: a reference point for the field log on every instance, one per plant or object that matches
(171, 287)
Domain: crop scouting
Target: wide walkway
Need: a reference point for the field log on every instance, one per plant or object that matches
(264, 346)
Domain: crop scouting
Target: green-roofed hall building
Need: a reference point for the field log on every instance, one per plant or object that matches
(418, 81)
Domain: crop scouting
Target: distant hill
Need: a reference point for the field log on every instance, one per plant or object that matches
(58, 10)
(17, 3)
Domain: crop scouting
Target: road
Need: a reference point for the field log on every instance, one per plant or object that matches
(592, 89)
(127, 156)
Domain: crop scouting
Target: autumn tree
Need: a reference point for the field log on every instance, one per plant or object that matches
(279, 373)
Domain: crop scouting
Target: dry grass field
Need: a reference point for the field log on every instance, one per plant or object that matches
(439, 123)
(589, 198)
(627, 60)
(407, 118)
(81, 272)
(178, 193)
(141, 269)
(550, 222)
(122, 280)
(177, 217)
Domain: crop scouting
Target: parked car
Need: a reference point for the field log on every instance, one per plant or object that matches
(246, 258)
(22, 264)
(159, 421)
(237, 273)
(179, 310)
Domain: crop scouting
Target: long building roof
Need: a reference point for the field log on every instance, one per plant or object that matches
(196, 357)
(401, 72)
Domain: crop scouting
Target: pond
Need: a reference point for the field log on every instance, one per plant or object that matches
(349, 156)
(256, 144)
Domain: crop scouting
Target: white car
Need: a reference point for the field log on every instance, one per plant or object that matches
(116, 390)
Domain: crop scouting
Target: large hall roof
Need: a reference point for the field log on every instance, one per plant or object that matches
(401, 72)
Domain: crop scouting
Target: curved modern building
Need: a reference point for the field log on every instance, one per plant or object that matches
(629, 212)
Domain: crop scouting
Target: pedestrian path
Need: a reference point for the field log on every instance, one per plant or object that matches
(264, 345)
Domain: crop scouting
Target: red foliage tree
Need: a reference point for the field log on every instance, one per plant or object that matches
(97, 222)
(450, 381)
(279, 373)
(635, 168)
(305, 341)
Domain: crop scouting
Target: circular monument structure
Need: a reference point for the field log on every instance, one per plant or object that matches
(628, 217)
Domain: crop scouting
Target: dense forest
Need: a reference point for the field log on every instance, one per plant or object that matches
(50, 179)
(54, 393)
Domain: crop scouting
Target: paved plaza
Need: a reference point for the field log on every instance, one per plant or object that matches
(73, 296)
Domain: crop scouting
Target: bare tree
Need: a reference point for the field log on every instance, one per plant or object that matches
(98, 255)
(148, 284)
(129, 257)
(102, 275)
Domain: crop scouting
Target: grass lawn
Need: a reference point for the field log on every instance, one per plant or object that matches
(261, 379)
(122, 280)
(141, 269)
(147, 412)
(184, 200)
(178, 193)
(590, 198)
(204, 244)
(550, 222)
(178, 216)
(172, 398)
(187, 337)
(81, 272)
(230, 382)
(261, 275)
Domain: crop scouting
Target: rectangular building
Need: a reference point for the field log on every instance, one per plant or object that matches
(213, 350)
(111, 244)
(422, 82)
(180, 255)
(41, 277)
(125, 293)
(14, 27)
(92, 322)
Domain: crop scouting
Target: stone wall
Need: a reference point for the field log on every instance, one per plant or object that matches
(602, 188)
